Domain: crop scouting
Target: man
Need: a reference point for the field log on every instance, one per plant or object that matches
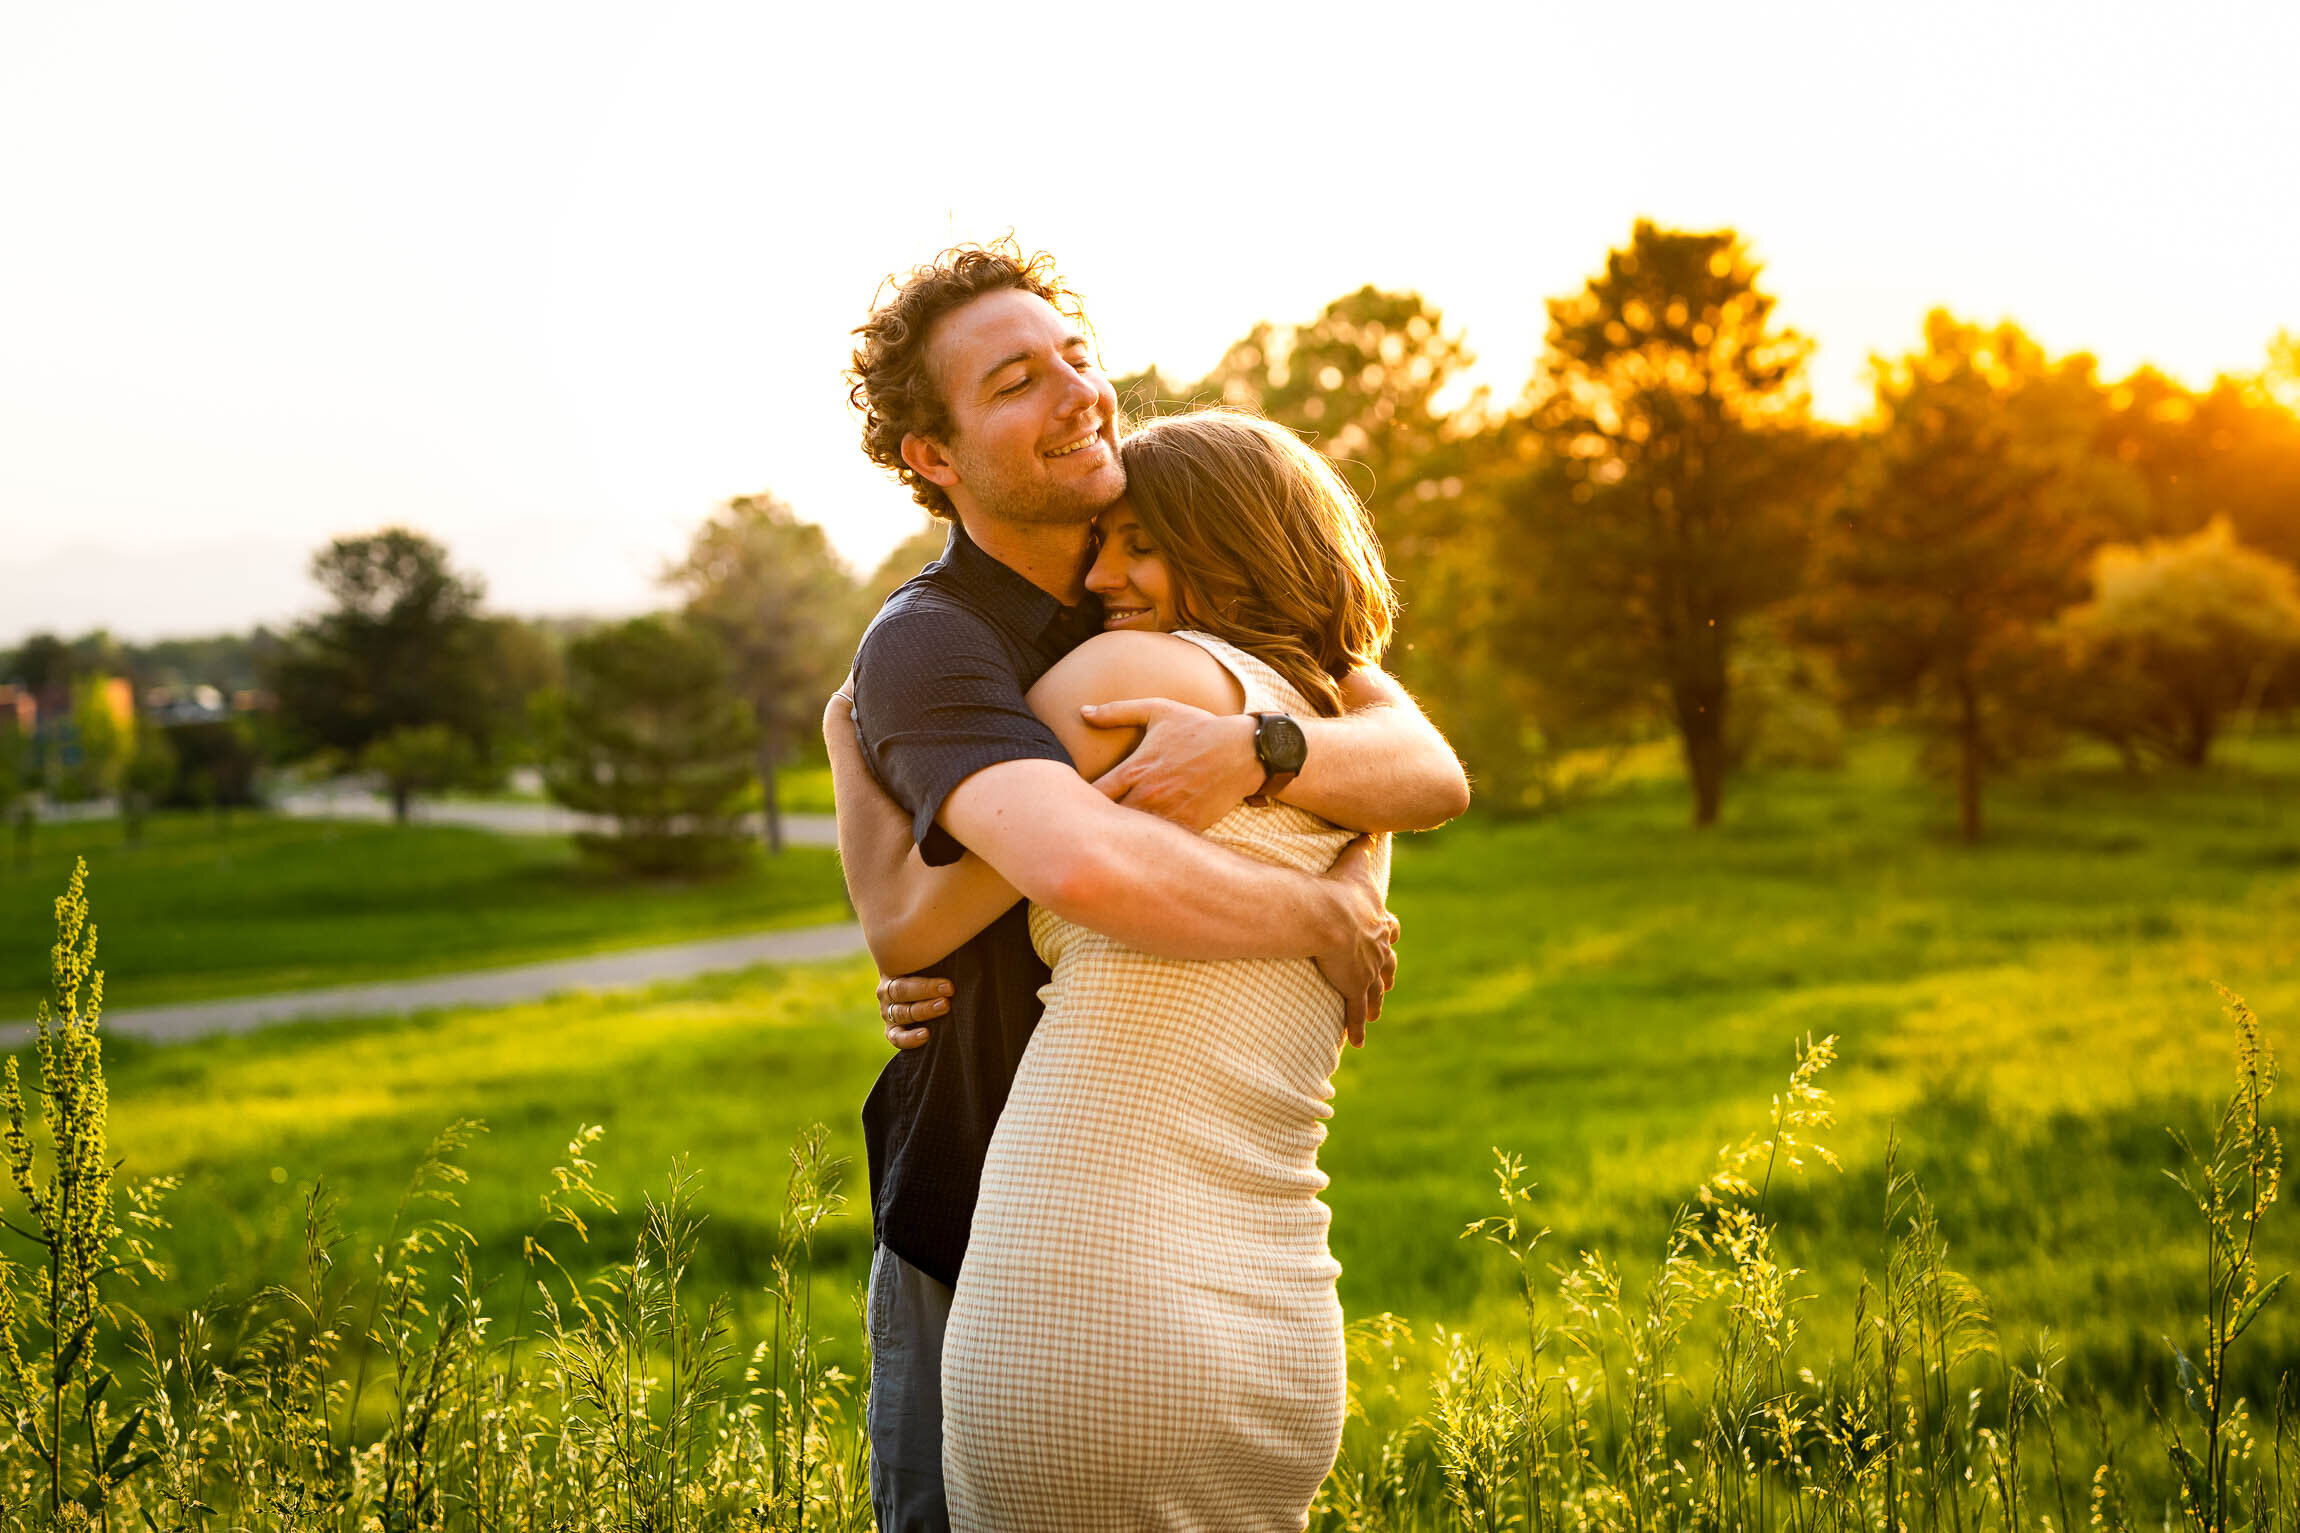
(981, 394)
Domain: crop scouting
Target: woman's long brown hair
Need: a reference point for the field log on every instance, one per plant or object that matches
(1269, 547)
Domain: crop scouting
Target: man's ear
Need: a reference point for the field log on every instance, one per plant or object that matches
(927, 460)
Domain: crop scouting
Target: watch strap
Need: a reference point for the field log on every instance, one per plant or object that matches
(1272, 785)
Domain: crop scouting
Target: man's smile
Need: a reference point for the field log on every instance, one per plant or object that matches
(1092, 438)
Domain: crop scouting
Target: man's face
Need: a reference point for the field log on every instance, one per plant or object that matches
(1036, 423)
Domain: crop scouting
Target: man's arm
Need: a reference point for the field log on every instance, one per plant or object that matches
(1382, 766)
(950, 735)
(1159, 888)
(907, 908)
(912, 915)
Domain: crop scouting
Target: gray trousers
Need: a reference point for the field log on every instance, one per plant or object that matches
(908, 1311)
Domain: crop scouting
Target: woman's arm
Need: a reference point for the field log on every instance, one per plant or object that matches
(1380, 766)
(912, 915)
(1101, 670)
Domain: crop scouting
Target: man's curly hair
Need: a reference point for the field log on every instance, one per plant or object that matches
(891, 384)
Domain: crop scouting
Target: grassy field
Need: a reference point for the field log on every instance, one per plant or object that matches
(277, 904)
(1607, 992)
(804, 789)
(801, 789)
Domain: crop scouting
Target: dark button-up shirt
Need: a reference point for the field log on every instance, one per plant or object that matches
(938, 693)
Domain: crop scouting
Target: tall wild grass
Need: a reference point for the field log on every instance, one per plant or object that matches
(397, 1388)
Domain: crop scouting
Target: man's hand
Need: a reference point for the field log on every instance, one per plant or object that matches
(1192, 767)
(1362, 962)
(907, 1005)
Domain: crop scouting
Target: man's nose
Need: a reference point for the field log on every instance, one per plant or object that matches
(1079, 392)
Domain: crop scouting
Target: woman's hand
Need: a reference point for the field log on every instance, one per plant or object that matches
(906, 1005)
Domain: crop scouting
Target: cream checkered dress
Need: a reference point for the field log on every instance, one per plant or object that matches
(1145, 1334)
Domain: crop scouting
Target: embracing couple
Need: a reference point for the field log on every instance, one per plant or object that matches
(1104, 772)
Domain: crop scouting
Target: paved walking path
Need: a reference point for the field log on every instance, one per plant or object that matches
(622, 970)
(510, 819)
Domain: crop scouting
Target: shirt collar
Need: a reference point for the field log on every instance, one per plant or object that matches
(1012, 599)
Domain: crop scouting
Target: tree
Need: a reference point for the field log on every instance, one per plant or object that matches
(523, 660)
(43, 663)
(150, 775)
(768, 587)
(1672, 497)
(418, 758)
(229, 662)
(401, 648)
(2177, 635)
(1371, 382)
(911, 555)
(1963, 532)
(1364, 383)
(101, 739)
(216, 764)
(2281, 381)
(97, 651)
(15, 779)
(652, 734)
(2231, 451)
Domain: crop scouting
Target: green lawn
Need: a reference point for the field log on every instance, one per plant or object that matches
(1608, 992)
(278, 904)
(803, 789)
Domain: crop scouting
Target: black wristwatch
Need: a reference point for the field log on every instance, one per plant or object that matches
(1281, 747)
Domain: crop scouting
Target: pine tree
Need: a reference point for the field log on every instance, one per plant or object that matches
(1964, 530)
(652, 734)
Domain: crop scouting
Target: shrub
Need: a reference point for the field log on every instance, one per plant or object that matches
(419, 758)
(651, 735)
(2177, 636)
(216, 764)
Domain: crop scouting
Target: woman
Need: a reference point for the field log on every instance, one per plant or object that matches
(1145, 1334)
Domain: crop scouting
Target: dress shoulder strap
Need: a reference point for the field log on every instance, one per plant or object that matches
(1266, 690)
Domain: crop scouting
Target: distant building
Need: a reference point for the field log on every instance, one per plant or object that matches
(201, 704)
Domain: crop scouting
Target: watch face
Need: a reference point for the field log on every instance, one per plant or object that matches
(1279, 742)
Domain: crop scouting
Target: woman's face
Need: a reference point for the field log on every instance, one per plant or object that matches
(1131, 577)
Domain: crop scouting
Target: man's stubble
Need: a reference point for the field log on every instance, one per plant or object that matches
(1034, 501)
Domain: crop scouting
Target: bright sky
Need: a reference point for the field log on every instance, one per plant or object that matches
(551, 281)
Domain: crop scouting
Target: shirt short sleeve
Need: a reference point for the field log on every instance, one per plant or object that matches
(938, 697)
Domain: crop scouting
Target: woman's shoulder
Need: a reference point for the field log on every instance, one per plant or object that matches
(1124, 663)
(1134, 647)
